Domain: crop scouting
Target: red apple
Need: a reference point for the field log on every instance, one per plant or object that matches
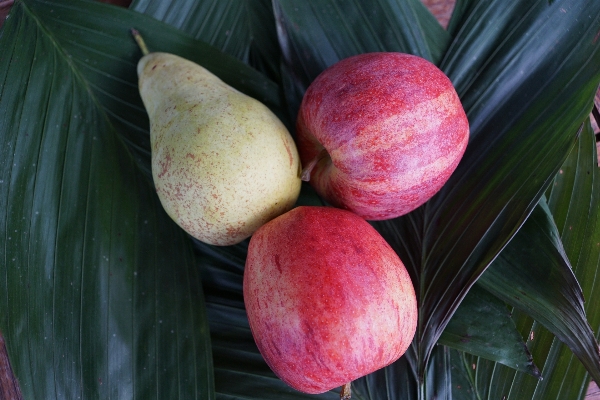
(327, 298)
(380, 133)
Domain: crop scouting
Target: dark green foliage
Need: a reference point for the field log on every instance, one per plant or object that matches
(104, 297)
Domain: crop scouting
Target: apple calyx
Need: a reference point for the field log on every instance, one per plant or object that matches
(306, 171)
(346, 393)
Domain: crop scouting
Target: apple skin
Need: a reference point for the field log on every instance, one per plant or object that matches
(327, 298)
(393, 128)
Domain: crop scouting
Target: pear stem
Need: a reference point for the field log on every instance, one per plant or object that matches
(306, 171)
(346, 392)
(140, 41)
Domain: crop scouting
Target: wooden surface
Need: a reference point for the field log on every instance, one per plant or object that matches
(442, 9)
(9, 387)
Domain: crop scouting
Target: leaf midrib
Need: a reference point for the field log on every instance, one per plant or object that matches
(79, 77)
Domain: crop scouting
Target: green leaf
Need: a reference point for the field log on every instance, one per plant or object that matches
(547, 289)
(462, 8)
(482, 325)
(399, 380)
(526, 72)
(92, 268)
(343, 29)
(471, 378)
(516, 148)
(575, 203)
(242, 29)
(85, 312)
(462, 377)
(96, 37)
(574, 199)
(391, 383)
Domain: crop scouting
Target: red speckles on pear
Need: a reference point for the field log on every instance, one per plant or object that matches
(164, 165)
(390, 123)
(222, 163)
(335, 301)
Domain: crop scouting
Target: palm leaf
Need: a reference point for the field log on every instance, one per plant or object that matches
(526, 81)
(400, 381)
(547, 290)
(482, 325)
(92, 268)
(564, 376)
(242, 29)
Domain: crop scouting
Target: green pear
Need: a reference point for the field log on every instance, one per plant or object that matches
(223, 164)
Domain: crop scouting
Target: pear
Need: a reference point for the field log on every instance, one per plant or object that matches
(222, 163)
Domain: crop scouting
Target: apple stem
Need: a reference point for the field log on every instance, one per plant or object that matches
(306, 171)
(140, 41)
(346, 392)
